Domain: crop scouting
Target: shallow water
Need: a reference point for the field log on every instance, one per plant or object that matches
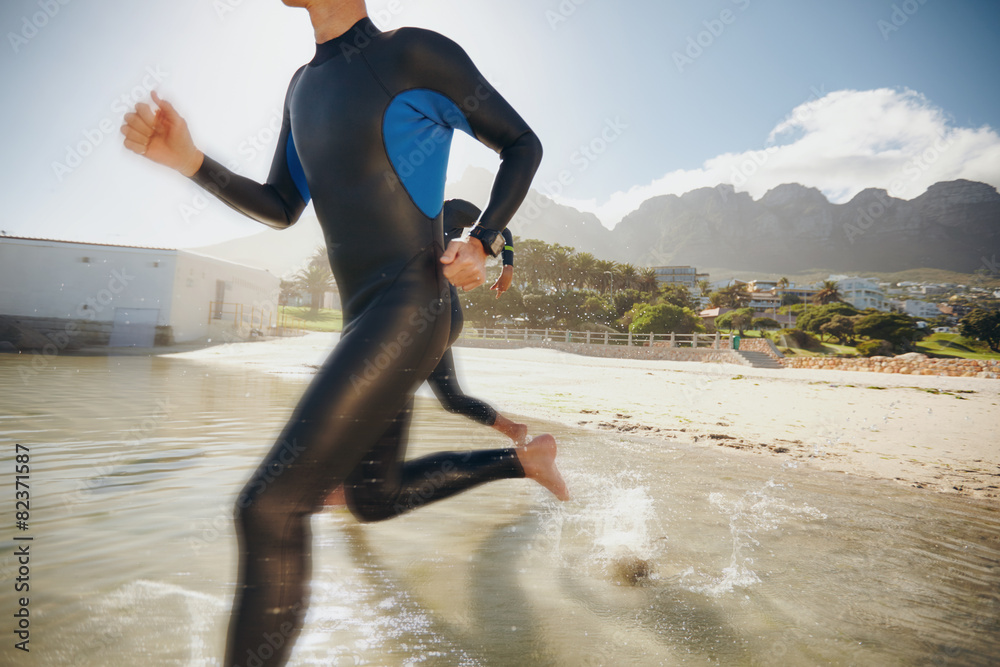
(668, 554)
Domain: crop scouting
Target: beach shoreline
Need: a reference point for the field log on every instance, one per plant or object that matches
(927, 432)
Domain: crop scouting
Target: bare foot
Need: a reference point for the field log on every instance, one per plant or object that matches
(519, 434)
(538, 458)
(516, 432)
(336, 498)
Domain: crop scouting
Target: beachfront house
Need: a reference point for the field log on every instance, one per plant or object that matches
(862, 293)
(921, 309)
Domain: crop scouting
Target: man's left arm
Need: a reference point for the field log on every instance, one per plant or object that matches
(485, 114)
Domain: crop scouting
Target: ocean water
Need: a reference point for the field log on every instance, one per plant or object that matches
(668, 554)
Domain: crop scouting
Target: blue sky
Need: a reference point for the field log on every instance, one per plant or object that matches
(669, 96)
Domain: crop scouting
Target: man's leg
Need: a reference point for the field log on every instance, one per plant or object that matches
(346, 409)
(384, 486)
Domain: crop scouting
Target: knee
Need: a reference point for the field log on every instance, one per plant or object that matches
(259, 512)
(453, 404)
(368, 506)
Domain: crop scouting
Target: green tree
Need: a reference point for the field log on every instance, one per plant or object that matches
(765, 323)
(663, 318)
(982, 325)
(599, 310)
(288, 291)
(624, 300)
(677, 294)
(840, 327)
(896, 328)
(734, 296)
(790, 299)
(812, 318)
(740, 319)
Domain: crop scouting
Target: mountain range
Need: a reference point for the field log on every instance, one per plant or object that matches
(954, 226)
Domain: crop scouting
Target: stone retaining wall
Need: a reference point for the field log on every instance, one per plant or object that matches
(906, 364)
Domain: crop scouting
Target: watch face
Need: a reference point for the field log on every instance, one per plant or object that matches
(492, 241)
(497, 245)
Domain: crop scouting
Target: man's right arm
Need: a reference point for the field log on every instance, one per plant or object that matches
(279, 202)
(164, 139)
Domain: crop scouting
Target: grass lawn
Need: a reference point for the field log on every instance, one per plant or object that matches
(300, 317)
(954, 345)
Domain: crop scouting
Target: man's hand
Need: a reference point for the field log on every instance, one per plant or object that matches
(163, 137)
(465, 264)
(503, 282)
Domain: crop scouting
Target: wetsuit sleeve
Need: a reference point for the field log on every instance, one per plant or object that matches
(279, 202)
(448, 69)
(508, 248)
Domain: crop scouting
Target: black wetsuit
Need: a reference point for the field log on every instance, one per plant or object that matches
(443, 379)
(366, 132)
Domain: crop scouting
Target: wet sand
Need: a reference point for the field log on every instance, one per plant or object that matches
(935, 433)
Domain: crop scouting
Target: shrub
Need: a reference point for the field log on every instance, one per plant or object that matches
(765, 323)
(663, 318)
(875, 348)
(796, 338)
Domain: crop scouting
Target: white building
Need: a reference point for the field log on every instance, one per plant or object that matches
(685, 275)
(861, 293)
(70, 295)
(923, 309)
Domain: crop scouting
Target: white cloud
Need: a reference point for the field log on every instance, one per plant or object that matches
(840, 143)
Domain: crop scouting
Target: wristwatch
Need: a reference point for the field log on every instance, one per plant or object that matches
(491, 239)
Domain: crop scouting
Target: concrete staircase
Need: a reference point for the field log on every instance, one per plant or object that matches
(758, 359)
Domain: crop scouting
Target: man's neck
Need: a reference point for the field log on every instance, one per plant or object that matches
(333, 18)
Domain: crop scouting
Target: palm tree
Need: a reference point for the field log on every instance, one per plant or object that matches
(828, 293)
(585, 266)
(782, 282)
(530, 261)
(560, 266)
(646, 281)
(627, 275)
(602, 280)
(320, 258)
(316, 280)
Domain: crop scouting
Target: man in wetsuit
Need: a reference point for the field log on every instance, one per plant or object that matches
(365, 135)
(459, 214)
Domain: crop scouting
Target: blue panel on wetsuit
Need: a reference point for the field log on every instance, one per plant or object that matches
(417, 130)
(295, 169)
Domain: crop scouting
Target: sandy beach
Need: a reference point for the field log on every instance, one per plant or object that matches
(934, 433)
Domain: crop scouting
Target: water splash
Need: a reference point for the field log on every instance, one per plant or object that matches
(750, 515)
(617, 517)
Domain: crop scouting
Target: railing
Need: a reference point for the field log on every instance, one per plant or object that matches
(286, 324)
(255, 319)
(717, 341)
